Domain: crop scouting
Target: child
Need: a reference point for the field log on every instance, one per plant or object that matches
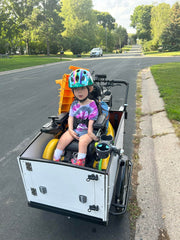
(83, 113)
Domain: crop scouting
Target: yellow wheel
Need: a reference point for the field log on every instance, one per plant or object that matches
(105, 162)
(49, 149)
(110, 130)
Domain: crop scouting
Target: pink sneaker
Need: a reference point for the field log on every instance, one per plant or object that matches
(79, 162)
(56, 160)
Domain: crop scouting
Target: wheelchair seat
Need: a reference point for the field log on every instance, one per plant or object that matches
(100, 124)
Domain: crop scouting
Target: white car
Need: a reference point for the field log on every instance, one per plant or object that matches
(96, 52)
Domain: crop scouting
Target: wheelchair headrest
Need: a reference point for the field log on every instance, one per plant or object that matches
(97, 92)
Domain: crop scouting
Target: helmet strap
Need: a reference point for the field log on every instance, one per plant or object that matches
(83, 100)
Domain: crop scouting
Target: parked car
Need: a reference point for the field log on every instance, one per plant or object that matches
(96, 52)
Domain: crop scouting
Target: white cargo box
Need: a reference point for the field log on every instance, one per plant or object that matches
(66, 188)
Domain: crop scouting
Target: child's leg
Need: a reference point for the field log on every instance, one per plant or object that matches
(65, 139)
(83, 144)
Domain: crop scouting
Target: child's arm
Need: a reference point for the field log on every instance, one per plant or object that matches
(70, 129)
(90, 130)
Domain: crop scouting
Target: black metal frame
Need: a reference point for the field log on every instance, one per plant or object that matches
(120, 208)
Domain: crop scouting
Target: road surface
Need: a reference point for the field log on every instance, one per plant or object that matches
(27, 98)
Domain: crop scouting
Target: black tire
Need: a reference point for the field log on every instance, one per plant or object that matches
(122, 184)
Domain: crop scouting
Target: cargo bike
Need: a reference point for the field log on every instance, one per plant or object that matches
(94, 191)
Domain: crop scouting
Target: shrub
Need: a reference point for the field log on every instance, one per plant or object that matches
(3, 46)
(149, 46)
(79, 45)
(37, 47)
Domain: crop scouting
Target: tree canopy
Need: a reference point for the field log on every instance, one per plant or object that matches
(79, 22)
(157, 26)
(50, 26)
(159, 19)
(105, 19)
(171, 34)
(141, 20)
(48, 23)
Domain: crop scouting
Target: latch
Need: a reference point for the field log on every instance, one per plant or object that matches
(82, 198)
(93, 208)
(28, 166)
(43, 189)
(92, 177)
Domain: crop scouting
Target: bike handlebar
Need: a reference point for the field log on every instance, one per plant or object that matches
(111, 83)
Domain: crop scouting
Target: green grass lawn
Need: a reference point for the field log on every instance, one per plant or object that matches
(16, 62)
(19, 61)
(163, 54)
(167, 77)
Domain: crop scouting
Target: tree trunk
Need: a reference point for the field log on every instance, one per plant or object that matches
(27, 47)
(48, 50)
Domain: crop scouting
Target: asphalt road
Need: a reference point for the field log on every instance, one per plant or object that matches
(27, 98)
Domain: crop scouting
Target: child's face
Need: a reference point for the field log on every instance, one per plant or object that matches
(81, 92)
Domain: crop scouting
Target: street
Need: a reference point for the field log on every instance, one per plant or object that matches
(27, 98)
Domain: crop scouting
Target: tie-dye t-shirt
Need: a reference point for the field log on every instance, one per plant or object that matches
(89, 111)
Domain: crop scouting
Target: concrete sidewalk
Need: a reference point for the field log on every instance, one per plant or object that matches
(158, 192)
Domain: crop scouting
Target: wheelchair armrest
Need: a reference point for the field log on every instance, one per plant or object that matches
(100, 122)
(54, 126)
(62, 117)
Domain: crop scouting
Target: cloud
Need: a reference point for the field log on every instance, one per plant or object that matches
(121, 10)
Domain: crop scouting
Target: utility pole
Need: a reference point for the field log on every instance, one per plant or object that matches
(106, 35)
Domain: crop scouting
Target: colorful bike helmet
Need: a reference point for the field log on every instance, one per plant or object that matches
(80, 78)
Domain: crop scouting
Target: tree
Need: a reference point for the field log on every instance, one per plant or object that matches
(105, 19)
(171, 35)
(9, 26)
(79, 20)
(104, 31)
(121, 37)
(159, 19)
(141, 20)
(32, 20)
(3, 42)
(18, 11)
(45, 23)
(132, 38)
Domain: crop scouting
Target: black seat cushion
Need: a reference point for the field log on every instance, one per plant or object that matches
(73, 146)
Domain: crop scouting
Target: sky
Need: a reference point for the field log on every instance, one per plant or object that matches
(122, 9)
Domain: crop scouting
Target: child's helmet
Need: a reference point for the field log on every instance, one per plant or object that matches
(80, 78)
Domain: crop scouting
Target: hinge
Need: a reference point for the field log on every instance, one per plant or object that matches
(28, 166)
(34, 191)
(92, 177)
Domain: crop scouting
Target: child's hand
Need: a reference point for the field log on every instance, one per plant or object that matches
(73, 134)
(93, 136)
